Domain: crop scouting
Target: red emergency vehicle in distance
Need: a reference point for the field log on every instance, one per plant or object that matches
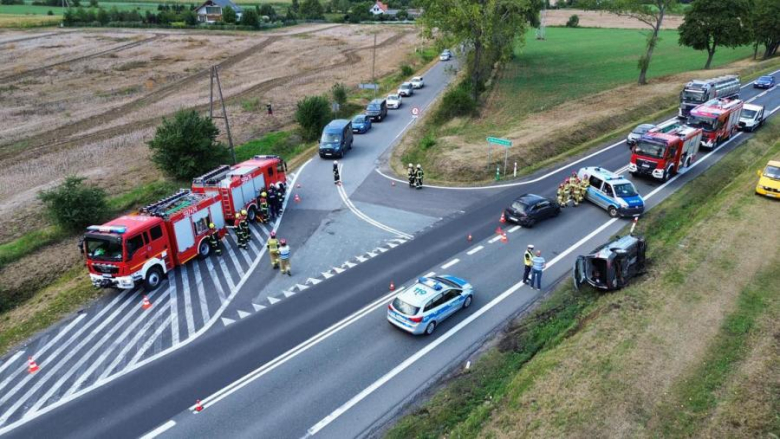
(663, 150)
(143, 247)
(718, 118)
(239, 186)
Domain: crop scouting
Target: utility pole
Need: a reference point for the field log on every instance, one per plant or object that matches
(540, 33)
(215, 76)
(373, 66)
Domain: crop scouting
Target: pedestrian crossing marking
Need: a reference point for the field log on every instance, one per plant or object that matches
(258, 307)
(338, 270)
(243, 314)
(226, 321)
(273, 300)
(327, 274)
(313, 281)
(288, 293)
(300, 287)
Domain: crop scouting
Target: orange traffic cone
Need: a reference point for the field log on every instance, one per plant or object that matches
(503, 218)
(392, 286)
(504, 238)
(198, 406)
(297, 199)
(146, 303)
(32, 366)
(499, 231)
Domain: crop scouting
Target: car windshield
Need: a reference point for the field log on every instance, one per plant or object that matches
(748, 114)
(624, 190)
(375, 107)
(703, 122)
(649, 149)
(359, 119)
(104, 249)
(693, 96)
(329, 138)
(392, 98)
(772, 172)
(765, 79)
(404, 308)
(518, 206)
(405, 86)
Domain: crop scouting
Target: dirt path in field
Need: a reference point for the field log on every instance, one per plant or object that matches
(559, 17)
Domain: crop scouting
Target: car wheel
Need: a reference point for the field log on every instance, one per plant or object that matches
(430, 328)
(530, 223)
(154, 278)
(204, 249)
(612, 211)
(467, 303)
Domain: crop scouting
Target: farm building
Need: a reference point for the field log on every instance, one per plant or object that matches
(211, 10)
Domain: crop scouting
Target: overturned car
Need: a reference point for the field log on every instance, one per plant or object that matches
(612, 265)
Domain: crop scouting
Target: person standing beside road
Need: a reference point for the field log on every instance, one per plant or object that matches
(536, 270)
(272, 205)
(214, 240)
(336, 174)
(528, 261)
(584, 184)
(280, 191)
(284, 257)
(561, 194)
(418, 181)
(269, 109)
(240, 237)
(273, 250)
(411, 174)
(566, 192)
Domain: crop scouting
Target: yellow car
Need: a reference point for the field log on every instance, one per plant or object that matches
(769, 180)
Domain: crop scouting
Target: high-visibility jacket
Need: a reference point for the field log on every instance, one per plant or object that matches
(273, 245)
(528, 258)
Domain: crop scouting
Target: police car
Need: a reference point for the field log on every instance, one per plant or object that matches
(612, 192)
(422, 307)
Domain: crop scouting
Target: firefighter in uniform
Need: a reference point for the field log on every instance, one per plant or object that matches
(214, 240)
(273, 249)
(411, 175)
(336, 175)
(561, 196)
(566, 192)
(418, 177)
(272, 205)
(265, 214)
(244, 226)
(576, 194)
(284, 257)
(240, 237)
(584, 184)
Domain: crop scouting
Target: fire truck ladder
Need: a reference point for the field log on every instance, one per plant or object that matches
(212, 177)
(163, 207)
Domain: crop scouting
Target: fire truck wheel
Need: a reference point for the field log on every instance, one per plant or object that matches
(666, 175)
(204, 249)
(613, 212)
(154, 278)
(688, 162)
(251, 214)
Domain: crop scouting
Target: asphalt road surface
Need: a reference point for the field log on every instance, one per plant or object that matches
(322, 360)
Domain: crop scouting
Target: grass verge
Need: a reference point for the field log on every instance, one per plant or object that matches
(503, 385)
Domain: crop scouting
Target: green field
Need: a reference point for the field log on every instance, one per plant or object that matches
(141, 5)
(572, 63)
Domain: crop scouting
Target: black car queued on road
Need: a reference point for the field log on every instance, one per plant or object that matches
(529, 209)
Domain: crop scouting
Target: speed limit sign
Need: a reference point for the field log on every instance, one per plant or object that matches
(415, 111)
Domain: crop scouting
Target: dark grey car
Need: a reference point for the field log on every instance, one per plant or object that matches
(377, 109)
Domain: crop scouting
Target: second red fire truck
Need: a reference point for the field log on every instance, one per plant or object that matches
(664, 150)
(718, 119)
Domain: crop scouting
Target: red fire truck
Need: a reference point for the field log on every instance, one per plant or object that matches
(718, 118)
(141, 248)
(663, 150)
(240, 185)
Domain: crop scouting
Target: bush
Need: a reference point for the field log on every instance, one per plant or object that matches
(186, 146)
(50, 12)
(250, 18)
(93, 3)
(11, 2)
(312, 114)
(428, 142)
(229, 15)
(339, 91)
(406, 70)
(74, 205)
(456, 102)
(574, 21)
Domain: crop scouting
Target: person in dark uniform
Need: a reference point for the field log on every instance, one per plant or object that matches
(214, 240)
(336, 174)
(272, 201)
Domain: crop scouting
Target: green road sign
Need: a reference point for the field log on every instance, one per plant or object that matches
(498, 141)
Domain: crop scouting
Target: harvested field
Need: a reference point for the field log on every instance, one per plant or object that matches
(559, 17)
(94, 110)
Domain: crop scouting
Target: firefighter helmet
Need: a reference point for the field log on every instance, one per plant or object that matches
(273, 234)
(283, 241)
(243, 212)
(411, 165)
(566, 181)
(212, 226)
(335, 162)
(418, 166)
(263, 194)
(573, 173)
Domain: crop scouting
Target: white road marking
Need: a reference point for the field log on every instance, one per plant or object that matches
(345, 198)
(514, 229)
(174, 310)
(217, 282)
(159, 430)
(312, 281)
(13, 359)
(327, 274)
(431, 274)
(273, 300)
(185, 280)
(431, 346)
(226, 273)
(288, 294)
(204, 306)
(474, 250)
(226, 321)
(148, 360)
(233, 257)
(494, 239)
(350, 264)
(150, 341)
(450, 264)
(243, 314)
(294, 352)
(257, 307)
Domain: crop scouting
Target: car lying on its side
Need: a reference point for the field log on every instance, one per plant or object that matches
(425, 305)
(769, 180)
(612, 265)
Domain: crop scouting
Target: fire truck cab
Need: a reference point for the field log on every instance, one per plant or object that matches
(663, 150)
(239, 186)
(142, 248)
(718, 119)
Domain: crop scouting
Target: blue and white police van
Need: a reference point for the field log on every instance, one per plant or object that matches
(612, 192)
(423, 306)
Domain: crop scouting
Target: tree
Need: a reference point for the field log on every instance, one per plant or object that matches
(574, 21)
(229, 15)
(295, 7)
(250, 18)
(490, 27)
(312, 10)
(190, 18)
(312, 114)
(103, 17)
(74, 205)
(709, 24)
(340, 93)
(186, 146)
(649, 12)
(403, 14)
(765, 25)
(268, 11)
(93, 3)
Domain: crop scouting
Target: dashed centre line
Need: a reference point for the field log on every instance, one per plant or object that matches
(432, 273)
(474, 250)
(450, 264)
(494, 239)
(514, 229)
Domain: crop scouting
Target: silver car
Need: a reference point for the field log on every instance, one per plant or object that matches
(406, 89)
(633, 136)
(422, 307)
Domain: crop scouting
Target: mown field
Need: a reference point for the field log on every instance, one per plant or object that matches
(689, 350)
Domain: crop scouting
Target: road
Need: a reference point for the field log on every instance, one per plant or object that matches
(262, 375)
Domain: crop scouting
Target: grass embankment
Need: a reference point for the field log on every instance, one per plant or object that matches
(556, 94)
(689, 349)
